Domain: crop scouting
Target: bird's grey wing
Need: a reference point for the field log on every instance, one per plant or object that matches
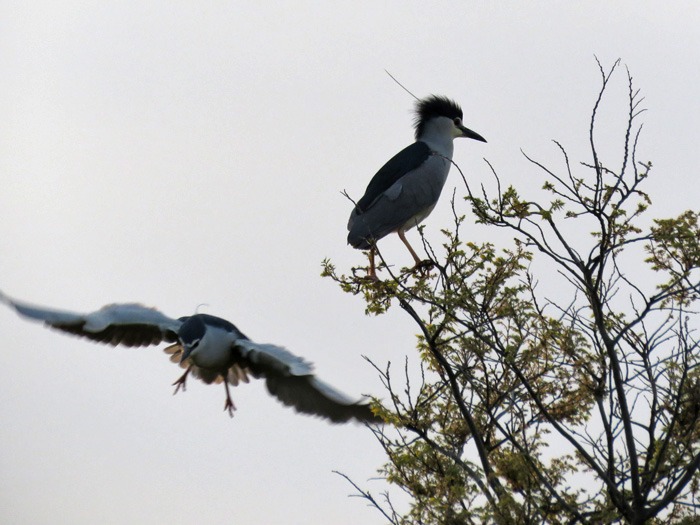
(405, 204)
(115, 324)
(291, 380)
(405, 161)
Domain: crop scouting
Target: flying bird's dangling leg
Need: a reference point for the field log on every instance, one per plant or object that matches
(181, 381)
(229, 402)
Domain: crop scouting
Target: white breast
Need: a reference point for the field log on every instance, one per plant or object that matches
(214, 350)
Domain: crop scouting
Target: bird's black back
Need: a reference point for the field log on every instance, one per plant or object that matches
(194, 326)
(406, 160)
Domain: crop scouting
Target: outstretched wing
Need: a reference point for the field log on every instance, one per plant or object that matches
(115, 324)
(291, 380)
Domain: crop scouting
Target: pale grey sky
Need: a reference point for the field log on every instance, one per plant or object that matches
(179, 154)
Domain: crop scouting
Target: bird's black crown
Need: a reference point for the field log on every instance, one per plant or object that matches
(192, 329)
(435, 106)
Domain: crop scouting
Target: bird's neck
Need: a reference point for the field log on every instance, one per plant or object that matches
(438, 140)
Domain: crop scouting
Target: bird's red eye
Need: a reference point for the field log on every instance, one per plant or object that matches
(457, 121)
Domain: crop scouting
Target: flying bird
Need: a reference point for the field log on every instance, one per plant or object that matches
(211, 349)
(406, 189)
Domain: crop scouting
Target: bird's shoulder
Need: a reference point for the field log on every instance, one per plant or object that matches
(217, 322)
(405, 161)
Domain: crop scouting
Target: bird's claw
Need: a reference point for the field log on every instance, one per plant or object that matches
(371, 277)
(181, 382)
(229, 406)
(423, 267)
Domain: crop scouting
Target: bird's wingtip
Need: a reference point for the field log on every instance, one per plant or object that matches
(9, 301)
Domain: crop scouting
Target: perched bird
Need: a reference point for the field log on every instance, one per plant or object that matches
(405, 190)
(210, 348)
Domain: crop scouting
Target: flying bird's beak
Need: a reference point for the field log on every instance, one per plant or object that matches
(466, 132)
(186, 351)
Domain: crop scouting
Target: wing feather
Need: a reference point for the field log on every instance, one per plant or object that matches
(404, 205)
(291, 380)
(115, 324)
(405, 161)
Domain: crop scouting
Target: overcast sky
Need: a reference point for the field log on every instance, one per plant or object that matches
(191, 155)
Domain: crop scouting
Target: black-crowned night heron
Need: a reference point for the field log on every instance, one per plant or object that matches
(405, 190)
(210, 348)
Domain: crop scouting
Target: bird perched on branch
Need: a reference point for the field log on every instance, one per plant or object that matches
(405, 190)
(211, 349)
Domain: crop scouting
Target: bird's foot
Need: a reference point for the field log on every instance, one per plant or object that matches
(423, 267)
(181, 382)
(229, 406)
(371, 277)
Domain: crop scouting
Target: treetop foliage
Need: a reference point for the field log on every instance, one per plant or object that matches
(579, 408)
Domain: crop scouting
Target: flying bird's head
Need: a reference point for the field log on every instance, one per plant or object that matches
(191, 334)
(440, 111)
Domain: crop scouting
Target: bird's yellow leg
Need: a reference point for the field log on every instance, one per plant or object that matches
(422, 265)
(402, 236)
(372, 273)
